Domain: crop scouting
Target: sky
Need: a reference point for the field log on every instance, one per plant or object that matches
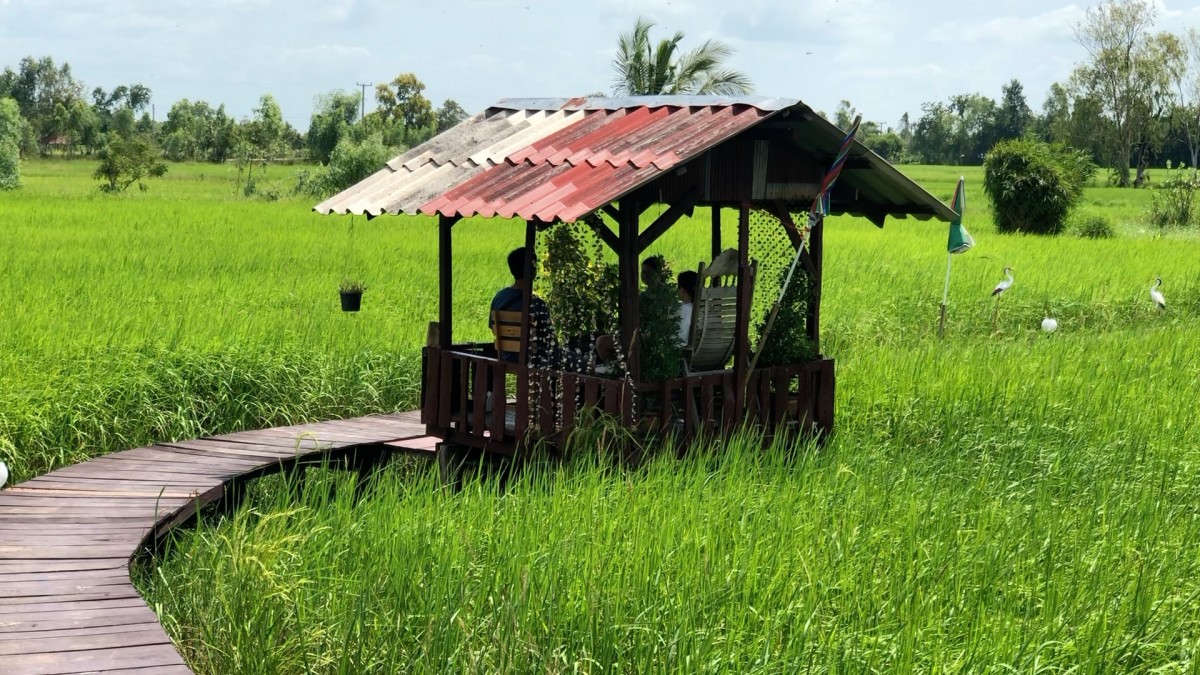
(886, 57)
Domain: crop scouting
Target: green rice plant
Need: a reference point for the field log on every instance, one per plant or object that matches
(1007, 501)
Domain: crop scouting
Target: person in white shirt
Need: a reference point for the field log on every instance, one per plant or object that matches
(687, 294)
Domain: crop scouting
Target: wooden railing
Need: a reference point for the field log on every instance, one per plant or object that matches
(472, 398)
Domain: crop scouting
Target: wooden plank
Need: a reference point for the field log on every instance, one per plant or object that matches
(64, 587)
(464, 390)
(499, 403)
(144, 635)
(591, 392)
(729, 398)
(546, 416)
(479, 399)
(93, 551)
(569, 399)
(431, 389)
(94, 660)
(41, 605)
(172, 456)
(17, 636)
(23, 567)
(17, 622)
(445, 391)
(375, 430)
(782, 380)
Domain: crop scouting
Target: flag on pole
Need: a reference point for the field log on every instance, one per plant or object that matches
(960, 240)
(820, 205)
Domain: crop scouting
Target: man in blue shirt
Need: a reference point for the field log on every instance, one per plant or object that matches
(511, 299)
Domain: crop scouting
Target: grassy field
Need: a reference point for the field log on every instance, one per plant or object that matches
(1000, 501)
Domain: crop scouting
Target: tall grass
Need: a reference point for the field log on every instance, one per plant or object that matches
(1003, 500)
(1015, 506)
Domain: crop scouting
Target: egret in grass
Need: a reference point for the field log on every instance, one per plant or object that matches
(3, 474)
(1049, 324)
(1156, 295)
(1006, 284)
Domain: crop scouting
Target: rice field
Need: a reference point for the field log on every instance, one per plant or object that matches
(1003, 500)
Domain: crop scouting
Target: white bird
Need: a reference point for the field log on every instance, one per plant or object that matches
(1156, 295)
(3, 474)
(1049, 324)
(1006, 284)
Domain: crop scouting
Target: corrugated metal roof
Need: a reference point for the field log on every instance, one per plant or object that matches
(560, 159)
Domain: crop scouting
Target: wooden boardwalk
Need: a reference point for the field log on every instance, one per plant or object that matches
(67, 538)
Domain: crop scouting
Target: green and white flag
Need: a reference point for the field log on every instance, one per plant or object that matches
(960, 240)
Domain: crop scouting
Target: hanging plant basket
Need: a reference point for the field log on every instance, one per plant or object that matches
(351, 293)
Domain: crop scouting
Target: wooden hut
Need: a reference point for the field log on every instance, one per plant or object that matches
(605, 162)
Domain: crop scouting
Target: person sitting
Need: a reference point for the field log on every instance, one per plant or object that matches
(686, 281)
(512, 299)
(652, 276)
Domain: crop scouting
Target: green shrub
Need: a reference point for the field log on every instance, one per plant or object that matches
(350, 162)
(1095, 226)
(10, 166)
(1032, 185)
(1173, 204)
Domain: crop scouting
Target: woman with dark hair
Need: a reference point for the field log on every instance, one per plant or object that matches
(687, 294)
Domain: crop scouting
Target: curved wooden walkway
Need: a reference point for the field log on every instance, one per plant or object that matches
(67, 538)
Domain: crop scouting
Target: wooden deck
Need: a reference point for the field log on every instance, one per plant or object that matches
(67, 538)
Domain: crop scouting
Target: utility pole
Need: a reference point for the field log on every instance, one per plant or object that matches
(362, 100)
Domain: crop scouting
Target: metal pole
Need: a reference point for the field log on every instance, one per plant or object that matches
(945, 297)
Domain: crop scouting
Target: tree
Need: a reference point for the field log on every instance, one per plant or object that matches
(12, 130)
(645, 69)
(450, 114)
(335, 114)
(40, 87)
(1187, 82)
(128, 160)
(1128, 73)
(1014, 116)
(401, 101)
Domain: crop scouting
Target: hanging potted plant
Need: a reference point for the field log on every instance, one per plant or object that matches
(351, 291)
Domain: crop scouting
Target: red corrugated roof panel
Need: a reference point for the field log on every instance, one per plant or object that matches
(579, 168)
(563, 158)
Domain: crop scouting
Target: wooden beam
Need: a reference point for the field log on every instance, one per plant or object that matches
(602, 230)
(629, 270)
(816, 244)
(527, 291)
(445, 281)
(741, 352)
(716, 230)
(612, 211)
(667, 219)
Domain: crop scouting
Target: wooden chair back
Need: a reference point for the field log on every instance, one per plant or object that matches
(506, 326)
(714, 313)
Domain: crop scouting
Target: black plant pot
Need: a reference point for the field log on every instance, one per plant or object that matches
(351, 300)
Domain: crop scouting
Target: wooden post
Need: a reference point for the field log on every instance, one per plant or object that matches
(716, 231)
(741, 352)
(629, 270)
(445, 281)
(816, 249)
(527, 292)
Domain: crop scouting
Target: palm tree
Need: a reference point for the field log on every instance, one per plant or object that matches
(645, 70)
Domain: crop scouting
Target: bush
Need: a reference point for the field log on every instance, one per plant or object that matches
(1173, 204)
(1032, 185)
(10, 166)
(1095, 227)
(350, 162)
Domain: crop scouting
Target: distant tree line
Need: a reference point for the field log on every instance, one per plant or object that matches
(1133, 103)
(57, 115)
